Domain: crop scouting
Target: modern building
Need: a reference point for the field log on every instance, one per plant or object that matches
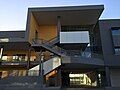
(62, 48)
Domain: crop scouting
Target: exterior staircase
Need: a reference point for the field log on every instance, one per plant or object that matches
(48, 46)
(49, 65)
(53, 41)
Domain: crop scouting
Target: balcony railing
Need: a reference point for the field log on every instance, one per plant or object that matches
(33, 73)
(83, 54)
(92, 55)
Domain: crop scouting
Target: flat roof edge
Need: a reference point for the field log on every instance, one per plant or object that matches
(109, 19)
(62, 8)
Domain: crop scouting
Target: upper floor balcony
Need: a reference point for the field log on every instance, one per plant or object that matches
(46, 23)
(84, 58)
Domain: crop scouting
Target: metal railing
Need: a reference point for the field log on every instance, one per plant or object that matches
(83, 54)
(47, 44)
(15, 73)
(43, 41)
(19, 73)
(33, 73)
(88, 53)
(38, 41)
(51, 40)
(92, 55)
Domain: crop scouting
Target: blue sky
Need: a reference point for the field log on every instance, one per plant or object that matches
(13, 13)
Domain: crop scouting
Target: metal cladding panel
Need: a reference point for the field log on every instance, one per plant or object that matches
(51, 64)
(74, 37)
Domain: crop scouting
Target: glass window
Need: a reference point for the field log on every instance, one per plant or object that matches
(19, 57)
(117, 50)
(74, 28)
(115, 30)
(4, 39)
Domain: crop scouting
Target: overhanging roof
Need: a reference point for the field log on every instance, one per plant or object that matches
(70, 15)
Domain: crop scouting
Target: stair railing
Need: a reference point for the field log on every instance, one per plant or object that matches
(51, 40)
(38, 41)
(15, 73)
(47, 43)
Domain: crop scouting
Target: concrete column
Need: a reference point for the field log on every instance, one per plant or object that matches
(0, 74)
(65, 79)
(41, 71)
(102, 78)
(58, 79)
(28, 61)
(58, 26)
(108, 81)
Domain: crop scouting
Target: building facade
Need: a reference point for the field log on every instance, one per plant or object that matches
(62, 48)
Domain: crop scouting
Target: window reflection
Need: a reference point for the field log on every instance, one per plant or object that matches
(115, 34)
(117, 50)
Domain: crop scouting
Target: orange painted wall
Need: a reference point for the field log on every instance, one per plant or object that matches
(44, 32)
(47, 32)
(33, 27)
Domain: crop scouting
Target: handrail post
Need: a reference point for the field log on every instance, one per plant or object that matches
(28, 61)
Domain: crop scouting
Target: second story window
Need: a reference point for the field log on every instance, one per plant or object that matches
(116, 39)
(115, 30)
(117, 51)
(74, 28)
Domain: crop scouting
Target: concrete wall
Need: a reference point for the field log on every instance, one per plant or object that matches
(83, 89)
(83, 60)
(113, 60)
(115, 77)
(28, 87)
(20, 80)
(107, 39)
